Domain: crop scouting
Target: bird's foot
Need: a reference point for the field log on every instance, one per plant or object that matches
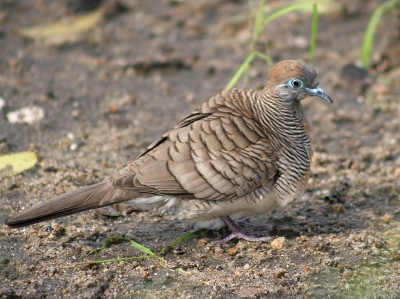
(243, 236)
(246, 224)
(242, 233)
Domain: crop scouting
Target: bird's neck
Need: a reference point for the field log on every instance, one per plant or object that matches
(282, 119)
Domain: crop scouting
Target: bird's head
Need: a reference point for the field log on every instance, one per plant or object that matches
(294, 80)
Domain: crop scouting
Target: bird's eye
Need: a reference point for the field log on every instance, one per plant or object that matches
(296, 83)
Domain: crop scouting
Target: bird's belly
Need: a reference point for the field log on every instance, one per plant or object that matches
(236, 209)
(251, 204)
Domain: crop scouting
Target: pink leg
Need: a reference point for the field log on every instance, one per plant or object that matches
(245, 223)
(239, 232)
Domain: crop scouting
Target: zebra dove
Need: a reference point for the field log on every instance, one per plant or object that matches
(239, 154)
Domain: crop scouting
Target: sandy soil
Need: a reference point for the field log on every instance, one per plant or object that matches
(135, 75)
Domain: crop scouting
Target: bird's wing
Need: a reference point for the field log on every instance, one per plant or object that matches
(218, 152)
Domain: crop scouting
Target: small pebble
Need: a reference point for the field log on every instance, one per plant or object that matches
(190, 97)
(303, 238)
(76, 113)
(76, 144)
(278, 243)
(202, 241)
(338, 208)
(381, 89)
(232, 251)
(27, 115)
(386, 218)
(280, 273)
(2, 103)
(113, 109)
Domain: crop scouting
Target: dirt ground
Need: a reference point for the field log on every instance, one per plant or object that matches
(121, 85)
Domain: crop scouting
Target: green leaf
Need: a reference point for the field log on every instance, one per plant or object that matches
(13, 164)
(65, 27)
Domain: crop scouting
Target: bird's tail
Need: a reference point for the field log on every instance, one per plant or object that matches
(86, 198)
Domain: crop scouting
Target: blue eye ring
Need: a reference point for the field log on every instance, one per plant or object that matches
(296, 83)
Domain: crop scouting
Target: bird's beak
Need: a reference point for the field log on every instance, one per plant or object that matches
(317, 91)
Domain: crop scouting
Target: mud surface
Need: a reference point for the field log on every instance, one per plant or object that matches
(125, 82)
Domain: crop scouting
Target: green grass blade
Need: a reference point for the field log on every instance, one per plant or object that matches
(258, 25)
(95, 250)
(149, 254)
(119, 259)
(284, 11)
(140, 247)
(107, 243)
(181, 239)
(116, 240)
(313, 39)
(371, 28)
(264, 57)
(240, 71)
